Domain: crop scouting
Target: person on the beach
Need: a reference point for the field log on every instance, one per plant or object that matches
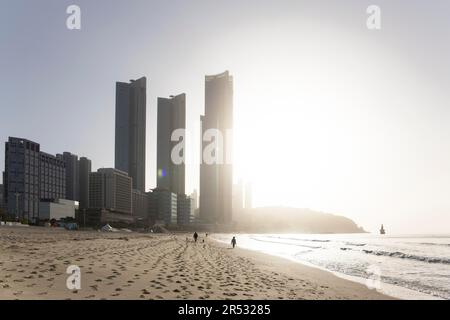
(195, 236)
(207, 234)
(233, 242)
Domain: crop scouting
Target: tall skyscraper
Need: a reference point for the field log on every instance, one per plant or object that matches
(216, 180)
(130, 130)
(171, 116)
(85, 168)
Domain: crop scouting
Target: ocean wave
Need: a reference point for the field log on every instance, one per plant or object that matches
(355, 244)
(297, 239)
(435, 244)
(287, 243)
(402, 255)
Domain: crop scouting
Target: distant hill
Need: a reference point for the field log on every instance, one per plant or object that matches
(293, 220)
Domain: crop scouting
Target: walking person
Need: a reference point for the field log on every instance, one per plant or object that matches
(195, 236)
(233, 242)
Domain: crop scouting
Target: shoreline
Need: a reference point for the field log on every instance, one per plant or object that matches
(321, 277)
(132, 266)
(389, 290)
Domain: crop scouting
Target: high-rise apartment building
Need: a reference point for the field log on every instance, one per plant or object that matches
(130, 130)
(171, 117)
(216, 180)
(21, 177)
(30, 176)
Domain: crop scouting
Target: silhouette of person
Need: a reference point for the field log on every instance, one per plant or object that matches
(195, 236)
(207, 234)
(233, 242)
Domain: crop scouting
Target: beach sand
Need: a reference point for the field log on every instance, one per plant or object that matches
(33, 264)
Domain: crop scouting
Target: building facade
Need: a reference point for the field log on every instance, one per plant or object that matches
(131, 130)
(216, 180)
(185, 210)
(59, 209)
(31, 176)
(171, 116)
(140, 204)
(85, 168)
(2, 197)
(194, 197)
(52, 177)
(163, 206)
(21, 178)
(72, 176)
(110, 189)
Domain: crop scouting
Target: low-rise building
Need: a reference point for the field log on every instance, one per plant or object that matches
(57, 210)
(185, 209)
(140, 204)
(110, 189)
(110, 199)
(163, 206)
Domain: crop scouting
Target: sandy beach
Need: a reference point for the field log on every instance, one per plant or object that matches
(33, 264)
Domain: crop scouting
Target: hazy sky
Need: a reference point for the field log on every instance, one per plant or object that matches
(328, 114)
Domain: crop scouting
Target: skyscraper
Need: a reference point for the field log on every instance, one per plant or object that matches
(85, 168)
(171, 116)
(130, 130)
(216, 180)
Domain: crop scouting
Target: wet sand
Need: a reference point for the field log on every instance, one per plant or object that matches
(33, 264)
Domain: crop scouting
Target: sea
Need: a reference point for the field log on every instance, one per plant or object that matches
(401, 266)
